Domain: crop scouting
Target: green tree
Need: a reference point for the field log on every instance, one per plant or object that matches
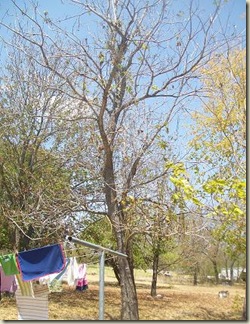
(35, 183)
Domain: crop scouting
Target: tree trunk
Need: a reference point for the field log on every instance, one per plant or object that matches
(114, 264)
(155, 271)
(17, 239)
(227, 269)
(232, 273)
(129, 302)
(216, 273)
(196, 275)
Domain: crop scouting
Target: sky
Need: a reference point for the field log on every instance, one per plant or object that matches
(236, 9)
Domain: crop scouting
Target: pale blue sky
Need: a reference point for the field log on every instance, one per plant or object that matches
(236, 9)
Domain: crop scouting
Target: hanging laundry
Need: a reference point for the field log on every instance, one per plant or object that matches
(9, 264)
(56, 283)
(72, 274)
(82, 283)
(25, 287)
(55, 286)
(59, 276)
(39, 290)
(36, 263)
(47, 279)
(30, 308)
(7, 283)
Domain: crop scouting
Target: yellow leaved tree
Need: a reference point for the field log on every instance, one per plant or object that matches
(219, 146)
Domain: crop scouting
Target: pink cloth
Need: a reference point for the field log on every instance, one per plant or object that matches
(82, 281)
(82, 270)
(7, 283)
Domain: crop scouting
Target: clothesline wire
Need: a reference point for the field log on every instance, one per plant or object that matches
(88, 263)
(86, 254)
(75, 249)
(93, 262)
(80, 256)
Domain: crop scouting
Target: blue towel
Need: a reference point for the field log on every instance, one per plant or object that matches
(40, 262)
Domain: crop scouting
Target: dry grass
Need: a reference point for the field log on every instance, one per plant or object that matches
(177, 302)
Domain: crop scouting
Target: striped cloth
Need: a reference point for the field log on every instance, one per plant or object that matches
(40, 290)
(30, 308)
(25, 287)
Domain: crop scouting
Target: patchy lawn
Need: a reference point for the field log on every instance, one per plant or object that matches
(177, 302)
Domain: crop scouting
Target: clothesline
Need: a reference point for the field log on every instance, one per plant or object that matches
(85, 255)
(89, 263)
(32, 274)
(34, 263)
(76, 255)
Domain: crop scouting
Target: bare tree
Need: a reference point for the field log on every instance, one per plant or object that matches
(133, 64)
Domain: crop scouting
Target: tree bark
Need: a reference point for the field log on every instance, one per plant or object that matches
(196, 275)
(232, 273)
(216, 273)
(129, 302)
(226, 269)
(114, 264)
(155, 271)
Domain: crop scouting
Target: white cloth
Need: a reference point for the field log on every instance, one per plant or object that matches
(72, 273)
(30, 308)
(47, 279)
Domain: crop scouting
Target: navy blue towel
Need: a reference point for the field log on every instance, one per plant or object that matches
(40, 262)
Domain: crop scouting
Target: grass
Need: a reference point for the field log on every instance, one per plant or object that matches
(176, 302)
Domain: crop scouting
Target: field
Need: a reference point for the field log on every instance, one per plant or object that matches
(175, 301)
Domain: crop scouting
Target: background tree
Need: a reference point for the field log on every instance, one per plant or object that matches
(220, 135)
(220, 143)
(35, 183)
(160, 225)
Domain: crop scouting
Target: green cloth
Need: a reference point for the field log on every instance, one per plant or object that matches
(55, 285)
(9, 264)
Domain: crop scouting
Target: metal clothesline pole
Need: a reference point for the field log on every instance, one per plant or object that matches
(101, 285)
(102, 251)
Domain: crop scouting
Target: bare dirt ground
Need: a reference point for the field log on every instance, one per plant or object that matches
(177, 302)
